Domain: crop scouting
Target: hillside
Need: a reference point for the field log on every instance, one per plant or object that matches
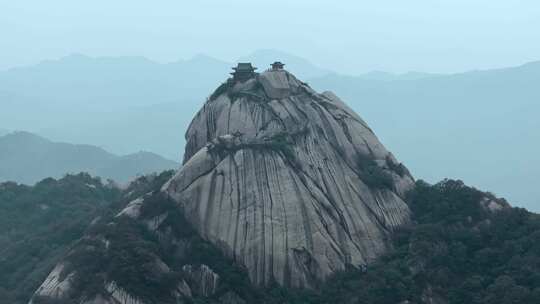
(458, 250)
(38, 224)
(28, 158)
(463, 246)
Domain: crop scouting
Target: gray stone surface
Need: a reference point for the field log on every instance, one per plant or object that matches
(56, 285)
(272, 178)
(279, 84)
(120, 296)
(204, 280)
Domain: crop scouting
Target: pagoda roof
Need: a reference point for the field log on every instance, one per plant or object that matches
(244, 67)
(278, 65)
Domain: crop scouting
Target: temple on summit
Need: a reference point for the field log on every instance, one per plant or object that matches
(277, 65)
(243, 71)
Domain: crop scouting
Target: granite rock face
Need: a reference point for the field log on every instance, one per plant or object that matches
(55, 285)
(290, 183)
(183, 283)
(203, 278)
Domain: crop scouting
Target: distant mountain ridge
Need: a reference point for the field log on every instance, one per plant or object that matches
(477, 120)
(95, 81)
(28, 158)
(385, 76)
(301, 67)
(104, 98)
(481, 126)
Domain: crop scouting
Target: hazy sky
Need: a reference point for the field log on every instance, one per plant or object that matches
(348, 36)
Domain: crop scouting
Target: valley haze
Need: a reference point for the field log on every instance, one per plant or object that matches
(479, 126)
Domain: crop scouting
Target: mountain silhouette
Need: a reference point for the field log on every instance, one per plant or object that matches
(28, 158)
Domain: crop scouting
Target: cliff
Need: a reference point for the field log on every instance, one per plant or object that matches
(280, 186)
(290, 183)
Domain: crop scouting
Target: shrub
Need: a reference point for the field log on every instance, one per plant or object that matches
(223, 88)
(373, 175)
(399, 169)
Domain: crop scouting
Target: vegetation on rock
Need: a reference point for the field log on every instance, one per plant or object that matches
(39, 223)
(456, 252)
(373, 175)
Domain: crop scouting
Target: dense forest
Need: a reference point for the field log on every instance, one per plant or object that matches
(456, 249)
(39, 223)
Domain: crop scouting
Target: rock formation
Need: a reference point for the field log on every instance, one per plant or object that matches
(286, 184)
(290, 183)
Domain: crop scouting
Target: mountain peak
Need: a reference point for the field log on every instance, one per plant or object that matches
(282, 181)
(279, 144)
(24, 136)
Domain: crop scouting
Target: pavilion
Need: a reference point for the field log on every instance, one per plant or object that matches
(243, 71)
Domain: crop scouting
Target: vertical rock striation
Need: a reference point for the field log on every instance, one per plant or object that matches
(290, 183)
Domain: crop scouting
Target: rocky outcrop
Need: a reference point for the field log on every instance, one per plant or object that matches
(291, 184)
(119, 295)
(279, 182)
(492, 204)
(57, 285)
(203, 278)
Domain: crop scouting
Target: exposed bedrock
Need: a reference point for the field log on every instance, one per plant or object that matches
(290, 183)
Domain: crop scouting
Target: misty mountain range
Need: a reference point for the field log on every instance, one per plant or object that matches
(3, 132)
(480, 126)
(28, 158)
